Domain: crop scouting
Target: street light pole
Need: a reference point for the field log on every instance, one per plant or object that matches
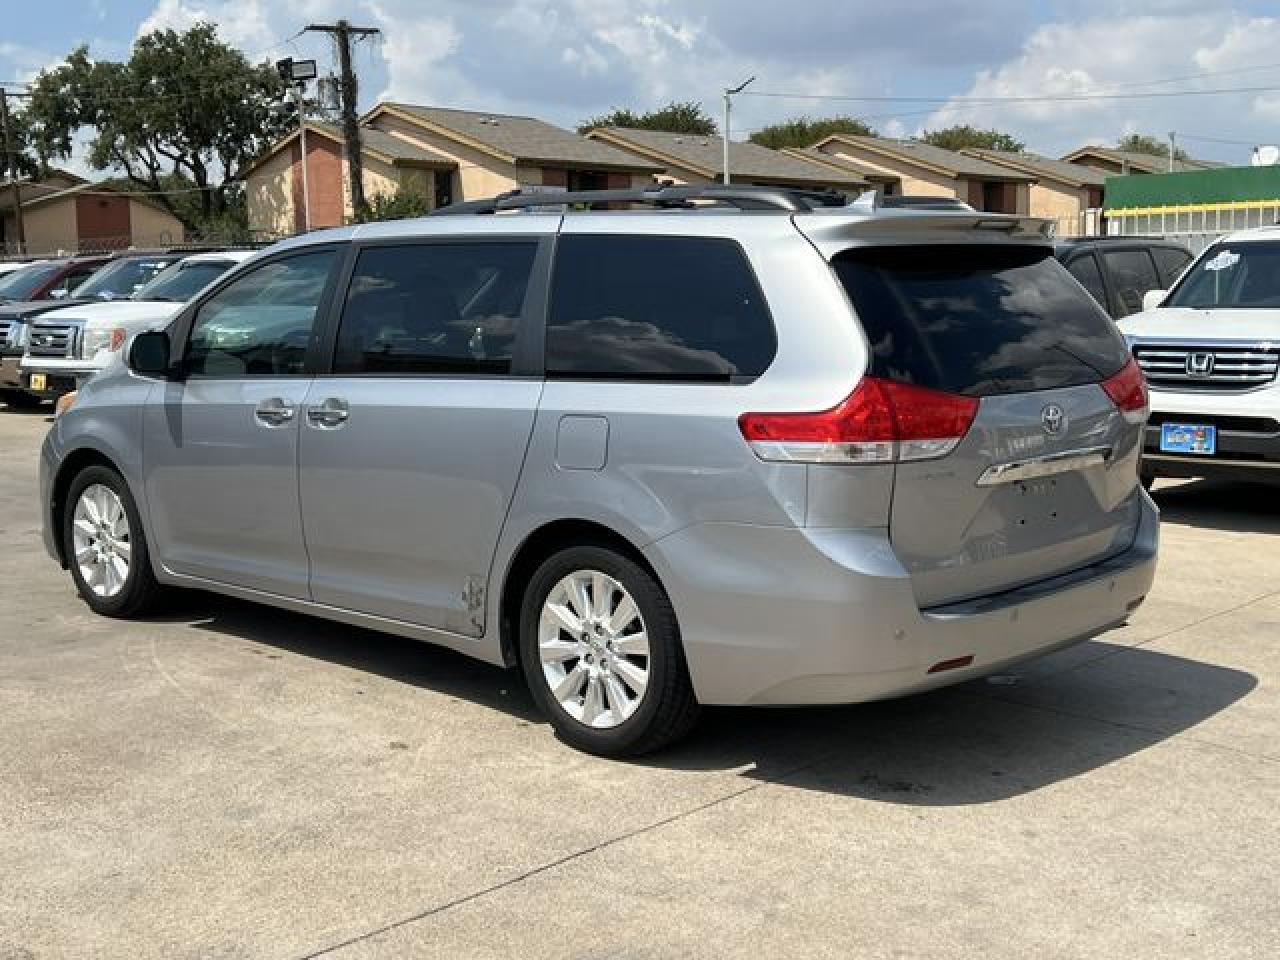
(302, 147)
(728, 93)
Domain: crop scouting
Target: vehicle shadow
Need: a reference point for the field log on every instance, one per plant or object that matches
(980, 742)
(1220, 505)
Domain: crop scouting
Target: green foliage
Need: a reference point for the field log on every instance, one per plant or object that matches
(805, 132)
(1149, 145)
(401, 205)
(963, 135)
(675, 117)
(184, 105)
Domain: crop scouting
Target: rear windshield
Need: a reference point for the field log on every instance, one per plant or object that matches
(978, 320)
(1239, 275)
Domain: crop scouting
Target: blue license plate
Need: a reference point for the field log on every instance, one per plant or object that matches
(1199, 439)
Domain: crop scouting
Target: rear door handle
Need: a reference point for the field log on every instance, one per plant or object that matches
(273, 412)
(329, 413)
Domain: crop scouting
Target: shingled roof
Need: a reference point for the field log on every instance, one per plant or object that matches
(518, 139)
(1042, 168)
(704, 155)
(948, 162)
(1141, 162)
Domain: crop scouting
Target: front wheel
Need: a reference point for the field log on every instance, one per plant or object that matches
(105, 547)
(602, 655)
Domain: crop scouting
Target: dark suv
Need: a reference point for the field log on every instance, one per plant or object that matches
(1117, 271)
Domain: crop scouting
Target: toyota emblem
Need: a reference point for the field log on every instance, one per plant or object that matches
(1053, 419)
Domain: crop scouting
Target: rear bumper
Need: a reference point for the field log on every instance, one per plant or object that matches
(787, 616)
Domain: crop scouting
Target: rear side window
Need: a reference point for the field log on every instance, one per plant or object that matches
(434, 308)
(1085, 270)
(1132, 275)
(1171, 263)
(657, 308)
(978, 320)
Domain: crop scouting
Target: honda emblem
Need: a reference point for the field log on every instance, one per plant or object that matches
(1200, 364)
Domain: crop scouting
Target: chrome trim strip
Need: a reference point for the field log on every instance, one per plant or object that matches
(1047, 466)
(1213, 461)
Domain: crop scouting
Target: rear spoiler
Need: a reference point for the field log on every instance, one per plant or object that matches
(855, 226)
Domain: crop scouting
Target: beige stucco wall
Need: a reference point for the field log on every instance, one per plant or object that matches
(51, 227)
(1057, 200)
(479, 174)
(149, 227)
(269, 196)
(913, 180)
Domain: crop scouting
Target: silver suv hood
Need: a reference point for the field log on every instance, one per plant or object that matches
(1184, 323)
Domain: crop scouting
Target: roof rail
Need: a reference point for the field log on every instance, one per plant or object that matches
(739, 197)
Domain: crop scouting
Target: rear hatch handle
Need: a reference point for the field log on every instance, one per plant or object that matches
(1064, 461)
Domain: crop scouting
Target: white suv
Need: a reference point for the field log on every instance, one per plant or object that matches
(1210, 350)
(68, 346)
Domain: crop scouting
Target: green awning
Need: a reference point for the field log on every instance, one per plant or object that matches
(1225, 185)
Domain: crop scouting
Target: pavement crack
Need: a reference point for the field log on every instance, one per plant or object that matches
(567, 858)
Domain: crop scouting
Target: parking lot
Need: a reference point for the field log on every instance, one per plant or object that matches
(232, 781)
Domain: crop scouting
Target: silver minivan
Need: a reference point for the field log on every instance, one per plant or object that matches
(706, 446)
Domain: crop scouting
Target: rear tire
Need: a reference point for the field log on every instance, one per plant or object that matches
(601, 652)
(105, 547)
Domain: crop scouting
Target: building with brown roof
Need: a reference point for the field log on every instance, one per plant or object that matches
(64, 213)
(445, 155)
(1124, 161)
(690, 158)
(925, 170)
(1062, 191)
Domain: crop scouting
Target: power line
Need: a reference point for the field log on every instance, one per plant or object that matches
(991, 101)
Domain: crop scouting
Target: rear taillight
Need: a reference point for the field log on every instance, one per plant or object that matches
(1128, 391)
(880, 422)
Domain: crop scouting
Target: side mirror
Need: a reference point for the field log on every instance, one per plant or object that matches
(149, 355)
(1153, 298)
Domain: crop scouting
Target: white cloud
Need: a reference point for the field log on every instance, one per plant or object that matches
(1124, 55)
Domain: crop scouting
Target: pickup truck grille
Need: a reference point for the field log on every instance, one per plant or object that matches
(1217, 367)
(51, 340)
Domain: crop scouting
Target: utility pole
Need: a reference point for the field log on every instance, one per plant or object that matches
(1172, 149)
(11, 171)
(729, 92)
(342, 32)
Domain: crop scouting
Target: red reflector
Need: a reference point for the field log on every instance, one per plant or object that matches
(955, 664)
(1128, 389)
(880, 421)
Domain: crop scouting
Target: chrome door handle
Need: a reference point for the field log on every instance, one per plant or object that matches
(273, 412)
(330, 412)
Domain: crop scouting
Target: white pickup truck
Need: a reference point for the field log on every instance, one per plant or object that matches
(67, 346)
(1210, 350)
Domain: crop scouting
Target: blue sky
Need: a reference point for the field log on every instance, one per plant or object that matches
(565, 60)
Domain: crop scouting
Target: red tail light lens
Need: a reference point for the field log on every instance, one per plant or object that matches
(880, 422)
(1128, 391)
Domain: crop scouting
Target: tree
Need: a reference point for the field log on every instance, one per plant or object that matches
(1147, 144)
(401, 205)
(963, 135)
(805, 132)
(184, 105)
(676, 117)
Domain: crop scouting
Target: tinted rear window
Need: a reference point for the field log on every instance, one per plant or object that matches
(978, 320)
(657, 308)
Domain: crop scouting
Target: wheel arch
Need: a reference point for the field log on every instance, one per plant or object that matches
(541, 543)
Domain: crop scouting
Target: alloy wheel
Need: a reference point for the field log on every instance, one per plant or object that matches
(594, 649)
(101, 540)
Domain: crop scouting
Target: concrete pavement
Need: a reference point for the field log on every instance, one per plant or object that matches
(231, 781)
